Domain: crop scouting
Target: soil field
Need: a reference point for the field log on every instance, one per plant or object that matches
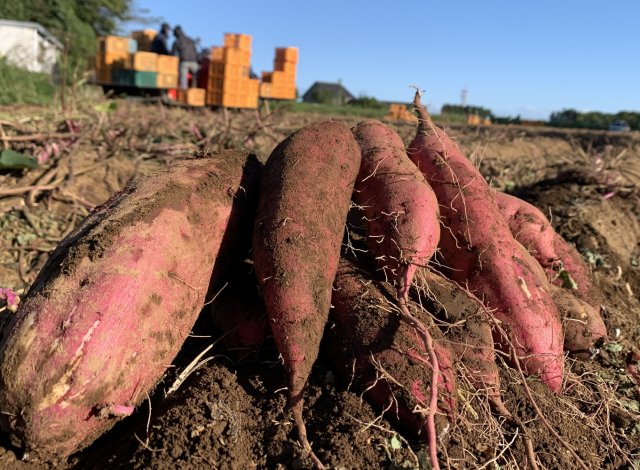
(231, 411)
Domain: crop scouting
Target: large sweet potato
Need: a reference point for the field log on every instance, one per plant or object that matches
(304, 199)
(116, 300)
(583, 326)
(398, 206)
(480, 251)
(372, 348)
(467, 327)
(532, 229)
(238, 312)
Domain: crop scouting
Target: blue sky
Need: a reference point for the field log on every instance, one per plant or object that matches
(514, 57)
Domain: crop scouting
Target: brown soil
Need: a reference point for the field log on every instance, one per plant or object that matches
(231, 412)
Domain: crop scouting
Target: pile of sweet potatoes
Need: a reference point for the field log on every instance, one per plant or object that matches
(347, 228)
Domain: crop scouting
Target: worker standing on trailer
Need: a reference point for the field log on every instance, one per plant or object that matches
(185, 49)
(160, 44)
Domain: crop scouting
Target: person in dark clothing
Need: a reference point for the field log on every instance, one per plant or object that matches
(160, 44)
(185, 49)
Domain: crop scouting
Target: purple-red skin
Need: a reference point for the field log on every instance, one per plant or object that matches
(480, 251)
(534, 231)
(583, 326)
(305, 193)
(366, 332)
(240, 314)
(528, 226)
(10, 298)
(399, 207)
(469, 335)
(111, 308)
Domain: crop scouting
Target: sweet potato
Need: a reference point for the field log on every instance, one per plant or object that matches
(480, 251)
(398, 206)
(239, 313)
(468, 330)
(305, 192)
(372, 348)
(116, 300)
(528, 226)
(532, 229)
(583, 326)
(573, 263)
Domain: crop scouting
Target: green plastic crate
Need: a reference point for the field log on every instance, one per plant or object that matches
(135, 78)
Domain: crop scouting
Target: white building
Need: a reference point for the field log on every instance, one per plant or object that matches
(29, 46)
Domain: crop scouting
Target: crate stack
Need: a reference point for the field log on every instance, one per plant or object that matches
(127, 61)
(227, 74)
(144, 38)
(167, 68)
(399, 112)
(281, 83)
(119, 62)
(112, 54)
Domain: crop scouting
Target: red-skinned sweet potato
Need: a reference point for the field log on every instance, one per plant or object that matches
(116, 300)
(480, 251)
(583, 326)
(468, 333)
(384, 357)
(239, 313)
(398, 205)
(532, 229)
(528, 226)
(305, 193)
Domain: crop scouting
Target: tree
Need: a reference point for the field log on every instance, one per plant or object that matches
(73, 22)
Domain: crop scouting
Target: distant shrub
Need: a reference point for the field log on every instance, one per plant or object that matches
(19, 86)
(364, 101)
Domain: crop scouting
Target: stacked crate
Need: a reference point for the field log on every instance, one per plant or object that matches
(192, 96)
(118, 62)
(112, 54)
(399, 112)
(281, 83)
(144, 37)
(226, 75)
(140, 70)
(167, 68)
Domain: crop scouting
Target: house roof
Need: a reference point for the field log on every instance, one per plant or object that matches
(333, 88)
(41, 30)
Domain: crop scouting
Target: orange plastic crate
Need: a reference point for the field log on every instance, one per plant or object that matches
(167, 64)
(287, 67)
(144, 39)
(113, 44)
(265, 90)
(143, 61)
(217, 53)
(254, 86)
(236, 56)
(238, 41)
(192, 96)
(117, 59)
(165, 80)
(103, 74)
(287, 54)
